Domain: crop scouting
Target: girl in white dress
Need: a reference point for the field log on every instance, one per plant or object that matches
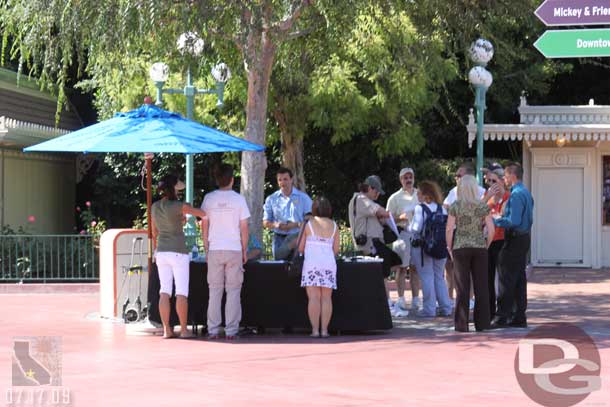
(320, 245)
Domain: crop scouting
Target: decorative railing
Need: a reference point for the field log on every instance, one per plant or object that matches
(48, 258)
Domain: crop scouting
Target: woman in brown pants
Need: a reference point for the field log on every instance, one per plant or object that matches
(469, 253)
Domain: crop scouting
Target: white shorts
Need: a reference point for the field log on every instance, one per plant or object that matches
(173, 267)
(402, 247)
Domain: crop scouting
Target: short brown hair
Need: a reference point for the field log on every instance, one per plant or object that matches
(223, 175)
(516, 169)
(432, 190)
(321, 207)
(284, 170)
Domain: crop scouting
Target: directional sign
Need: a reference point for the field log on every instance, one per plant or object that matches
(574, 43)
(574, 12)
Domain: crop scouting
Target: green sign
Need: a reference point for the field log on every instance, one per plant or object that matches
(574, 43)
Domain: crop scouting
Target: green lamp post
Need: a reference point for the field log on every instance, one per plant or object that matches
(481, 51)
(189, 43)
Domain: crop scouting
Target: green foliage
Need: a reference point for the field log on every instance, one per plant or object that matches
(380, 81)
(372, 86)
(92, 224)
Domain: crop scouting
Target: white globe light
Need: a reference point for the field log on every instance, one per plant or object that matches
(481, 51)
(480, 76)
(221, 72)
(190, 43)
(159, 72)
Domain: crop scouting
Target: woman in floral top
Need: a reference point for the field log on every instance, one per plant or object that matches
(468, 248)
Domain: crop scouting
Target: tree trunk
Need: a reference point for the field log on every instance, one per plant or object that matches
(260, 55)
(292, 145)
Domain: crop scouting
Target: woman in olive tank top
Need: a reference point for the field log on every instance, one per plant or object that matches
(171, 253)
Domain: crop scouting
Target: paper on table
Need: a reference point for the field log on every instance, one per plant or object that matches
(392, 225)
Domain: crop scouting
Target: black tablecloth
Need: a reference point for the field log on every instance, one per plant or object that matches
(272, 298)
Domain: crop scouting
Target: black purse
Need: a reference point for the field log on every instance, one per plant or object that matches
(295, 264)
(388, 235)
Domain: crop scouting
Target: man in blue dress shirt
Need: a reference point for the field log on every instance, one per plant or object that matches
(517, 222)
(284, 212)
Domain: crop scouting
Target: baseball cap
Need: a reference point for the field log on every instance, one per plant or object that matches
(495, 168)
(375, 182)
(406, 170)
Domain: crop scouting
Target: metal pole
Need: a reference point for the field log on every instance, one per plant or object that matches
(480, 106)
(148, 158)
(189, 93)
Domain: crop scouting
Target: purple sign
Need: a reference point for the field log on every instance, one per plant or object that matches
(574, 12)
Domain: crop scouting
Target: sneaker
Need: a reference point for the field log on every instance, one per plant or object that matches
(213, 336)
(471, 304)
(231, 337)
(416, 303)
(401, 304)
(401, 313)
(393, 310)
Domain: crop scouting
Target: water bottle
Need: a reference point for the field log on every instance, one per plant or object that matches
(194, 253)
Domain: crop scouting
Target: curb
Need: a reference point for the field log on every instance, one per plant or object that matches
(77, 288)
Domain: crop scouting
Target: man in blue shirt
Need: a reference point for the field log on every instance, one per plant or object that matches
(284, 212)
(517, 221)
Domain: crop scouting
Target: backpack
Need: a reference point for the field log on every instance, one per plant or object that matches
(433, 240)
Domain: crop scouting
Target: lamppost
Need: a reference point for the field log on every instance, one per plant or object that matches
(189, 43)
(481, 51)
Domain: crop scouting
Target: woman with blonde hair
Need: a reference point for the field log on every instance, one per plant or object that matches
(468, 248)
(431, 269)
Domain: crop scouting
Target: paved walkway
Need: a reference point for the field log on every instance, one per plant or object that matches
(416, 364)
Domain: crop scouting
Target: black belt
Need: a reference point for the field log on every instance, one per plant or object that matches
(516, 233)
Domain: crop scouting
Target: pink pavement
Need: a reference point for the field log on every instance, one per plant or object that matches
(418, 363)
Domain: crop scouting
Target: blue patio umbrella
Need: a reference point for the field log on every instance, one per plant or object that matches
(147, 129)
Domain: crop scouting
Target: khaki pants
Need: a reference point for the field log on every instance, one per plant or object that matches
(225, 273)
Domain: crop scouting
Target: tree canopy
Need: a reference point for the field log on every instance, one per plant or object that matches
(336, 90)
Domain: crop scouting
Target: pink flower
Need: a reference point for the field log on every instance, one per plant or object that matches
(88, 203)
(31, 218)
(78, 209)
(82, 232)
(93, 223)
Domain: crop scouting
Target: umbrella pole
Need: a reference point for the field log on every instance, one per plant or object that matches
(148, 207)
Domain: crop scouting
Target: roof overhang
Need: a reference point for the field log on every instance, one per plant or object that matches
(22, 134)
(533, 132)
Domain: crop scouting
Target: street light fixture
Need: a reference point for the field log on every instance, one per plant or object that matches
(481, 52)
(189, 43)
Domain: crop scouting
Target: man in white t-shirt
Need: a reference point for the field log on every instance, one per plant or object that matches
(225, 237)
(401, 205)
(465, 169)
